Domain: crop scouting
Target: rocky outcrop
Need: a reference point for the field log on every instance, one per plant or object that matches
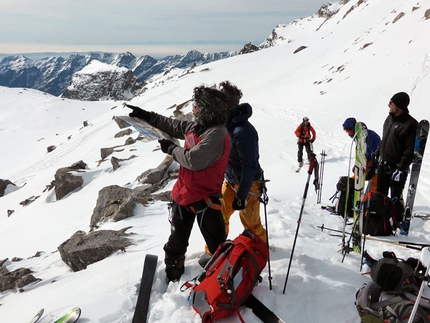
(273, 39)
(66, 182)
(3, 186)
(84, 249)
(155, 175)
(248, 48)
(113, 203)
(117, 203)
(16, 279)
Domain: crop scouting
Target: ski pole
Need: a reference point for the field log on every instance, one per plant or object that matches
(346, 248)
(321, 176)
(420, 293)
(265, 199)
(406, 244)
(305, 193)
(366, 219)
(345, 214)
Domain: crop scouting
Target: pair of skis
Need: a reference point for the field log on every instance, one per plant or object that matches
(70, 317)
(359, 183)
(360, 140)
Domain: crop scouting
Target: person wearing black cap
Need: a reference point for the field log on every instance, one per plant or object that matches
(396, 151)
(306, 135)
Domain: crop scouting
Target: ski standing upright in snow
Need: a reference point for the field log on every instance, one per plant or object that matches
(344, 244)
(359, 183)
(320, 177)
(420, 145)
(142, 305)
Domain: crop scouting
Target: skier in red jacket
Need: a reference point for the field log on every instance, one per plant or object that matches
(306, 135)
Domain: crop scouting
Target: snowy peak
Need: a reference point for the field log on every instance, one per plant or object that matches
(99, 81)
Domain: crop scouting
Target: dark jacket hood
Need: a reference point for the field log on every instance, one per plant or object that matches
(241, 114)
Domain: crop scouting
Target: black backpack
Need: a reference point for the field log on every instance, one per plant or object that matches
(394, 274)
(377, 214)
(342, 200)
(375, 306)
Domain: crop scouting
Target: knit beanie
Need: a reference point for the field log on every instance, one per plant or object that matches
(401, 100)
(349, 124)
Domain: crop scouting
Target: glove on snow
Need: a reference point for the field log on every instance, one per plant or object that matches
(398, 175)
(167, 146)
(238, 204)
(139, 113)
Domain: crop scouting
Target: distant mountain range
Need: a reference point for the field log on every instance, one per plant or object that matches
(54, 74)
(62, 76)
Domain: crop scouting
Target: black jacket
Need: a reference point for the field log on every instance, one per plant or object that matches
(398, 141)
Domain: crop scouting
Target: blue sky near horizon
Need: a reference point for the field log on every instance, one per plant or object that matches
(155, 27)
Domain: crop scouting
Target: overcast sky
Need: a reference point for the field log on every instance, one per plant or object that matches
(142, 27)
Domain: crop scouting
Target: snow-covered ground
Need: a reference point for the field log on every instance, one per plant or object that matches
(353, 64)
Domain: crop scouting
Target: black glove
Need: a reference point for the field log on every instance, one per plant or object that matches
(238, 204)
(167, 146)
(139, 113)
(311, 141)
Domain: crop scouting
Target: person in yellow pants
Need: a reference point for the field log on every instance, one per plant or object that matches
(250, 215)
(241, 187)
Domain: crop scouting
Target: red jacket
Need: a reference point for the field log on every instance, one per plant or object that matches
(203, 159)
(196, 184)
(303, 133)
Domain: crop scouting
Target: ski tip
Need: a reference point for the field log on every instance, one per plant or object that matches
(37, 316)
(425, 255)
(152, 257)
(71, 316)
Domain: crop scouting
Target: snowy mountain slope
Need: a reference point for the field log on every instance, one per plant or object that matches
(332, 79)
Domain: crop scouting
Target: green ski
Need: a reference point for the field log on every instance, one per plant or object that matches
(70, 317)
(359, 183)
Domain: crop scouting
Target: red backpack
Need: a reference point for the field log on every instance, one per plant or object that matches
(229, 277)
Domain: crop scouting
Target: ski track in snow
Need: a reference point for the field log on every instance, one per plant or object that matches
(425, 70)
